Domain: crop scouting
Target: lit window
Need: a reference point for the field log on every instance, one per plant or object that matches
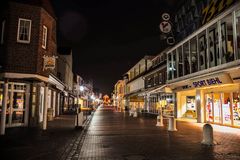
(2, 31)
(24, 30)
(44, 38)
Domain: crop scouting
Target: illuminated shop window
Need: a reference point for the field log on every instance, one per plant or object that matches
(190, 107)
(217, 107)
(209, 108)
(226, 109)
(236, 109)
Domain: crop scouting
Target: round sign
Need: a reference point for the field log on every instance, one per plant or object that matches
(170, 40)
(165, 16)
(165, 27)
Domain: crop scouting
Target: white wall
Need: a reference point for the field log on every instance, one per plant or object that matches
(136, 84)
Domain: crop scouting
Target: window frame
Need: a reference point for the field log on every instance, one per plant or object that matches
(2, 31)
(44, 37)
(29, 31)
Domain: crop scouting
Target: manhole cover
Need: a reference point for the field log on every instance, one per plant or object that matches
(135, 157)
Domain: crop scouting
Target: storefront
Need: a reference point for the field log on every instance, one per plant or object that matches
(210, 100)
(17, 104)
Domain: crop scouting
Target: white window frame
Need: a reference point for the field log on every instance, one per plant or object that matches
(29, 31)
(2, 31)
(44, 37)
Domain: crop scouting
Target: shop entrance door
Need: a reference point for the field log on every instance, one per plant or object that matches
(17, 105)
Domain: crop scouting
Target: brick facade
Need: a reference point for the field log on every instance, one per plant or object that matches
(28, 58)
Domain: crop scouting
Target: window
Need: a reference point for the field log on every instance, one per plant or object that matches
(24, 30)
(174, 64)
(180, 61)
(238, 32)
(44, 37)
(227, 39)
(202, 47)
(214, 57)
(186, 58)
(2, 31)
(169, 66)
(194, 58)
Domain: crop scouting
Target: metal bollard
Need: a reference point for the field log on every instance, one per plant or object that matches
(207, 135)
(172, 124)
(159, 121)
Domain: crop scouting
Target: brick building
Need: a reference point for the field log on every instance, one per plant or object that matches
(29, 89)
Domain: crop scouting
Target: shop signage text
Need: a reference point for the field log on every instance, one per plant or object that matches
(49, 62)
(207, 82)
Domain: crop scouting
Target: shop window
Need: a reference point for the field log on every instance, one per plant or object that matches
(217, 107)
(186, 58)
(193, 55)
(214, 57)
(209, 108)
(1, 102)
(226, 109)
(202, 48)
(236, 109)
(227, 39)
(180, 61)
(190, 107)
(24, 30)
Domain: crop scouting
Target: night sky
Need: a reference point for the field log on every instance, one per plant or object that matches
(109, 37)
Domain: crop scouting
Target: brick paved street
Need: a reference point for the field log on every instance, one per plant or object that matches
(33, 143)
(114, 135)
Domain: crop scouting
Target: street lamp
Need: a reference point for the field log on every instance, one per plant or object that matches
(81, 88)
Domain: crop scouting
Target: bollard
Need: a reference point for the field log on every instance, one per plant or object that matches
(159, 121)
(135, 114)
(130, 113)
(207, 135)
(79, 120)
(172, 124)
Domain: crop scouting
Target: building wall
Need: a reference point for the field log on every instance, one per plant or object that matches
(28, 57)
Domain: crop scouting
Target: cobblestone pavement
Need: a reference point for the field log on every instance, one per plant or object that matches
(34, 144)
(116, 136)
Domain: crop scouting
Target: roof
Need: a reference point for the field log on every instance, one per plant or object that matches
(46, 4)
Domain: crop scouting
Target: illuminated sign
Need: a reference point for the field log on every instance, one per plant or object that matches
(49, 62)
(207, 82)
(215, 7)
(216, 79)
